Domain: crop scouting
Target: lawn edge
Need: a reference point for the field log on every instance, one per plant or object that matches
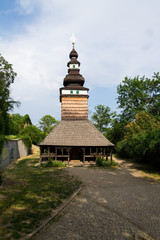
(54, 215)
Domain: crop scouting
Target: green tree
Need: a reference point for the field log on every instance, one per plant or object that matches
(142, 123)
(35, 134)
(26, 120)
(7, 76)
(47, 123)
(116, 131)
(139, 94)
(102, 117)
(141, 141)
(18, 122)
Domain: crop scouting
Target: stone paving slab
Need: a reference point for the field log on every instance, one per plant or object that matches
(114, 204)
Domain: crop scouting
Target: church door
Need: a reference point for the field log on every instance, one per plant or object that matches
(76, 154)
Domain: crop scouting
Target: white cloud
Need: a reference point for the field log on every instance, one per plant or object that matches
(115, 39)
(26, 5)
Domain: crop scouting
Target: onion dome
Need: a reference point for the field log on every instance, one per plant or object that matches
(73, 77)
(73, 54)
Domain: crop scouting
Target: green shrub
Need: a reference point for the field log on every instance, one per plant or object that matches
(10, 137)
(27, 141)
(51, 163)
(123, 148)
(58, 164)
(101, 162)
(153, 152)
(35, 134)
(142, 147)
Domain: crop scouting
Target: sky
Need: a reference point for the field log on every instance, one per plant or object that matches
(115, 38)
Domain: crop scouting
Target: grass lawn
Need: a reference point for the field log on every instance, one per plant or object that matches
(29, 194)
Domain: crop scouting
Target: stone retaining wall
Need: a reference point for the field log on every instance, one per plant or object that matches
(12, 150)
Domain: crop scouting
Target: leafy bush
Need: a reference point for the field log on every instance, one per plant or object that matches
(142, 140)
(101, 162)
(123, 148)
(35, 134)
(11, 137)
(56, 163)
(142, 147)
(27, 141)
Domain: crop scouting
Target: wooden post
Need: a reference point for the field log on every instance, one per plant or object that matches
(62, 153)
(48, 152)
(68, 154)
(55, 153)
(106, 154)
(83, 155)
(90, 150)
(96, 153)
(40, 155)
(111, 155)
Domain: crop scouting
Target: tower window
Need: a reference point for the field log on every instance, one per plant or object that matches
(77, 92)
(71, 92)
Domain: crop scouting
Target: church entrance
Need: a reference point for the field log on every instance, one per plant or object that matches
(76, 154)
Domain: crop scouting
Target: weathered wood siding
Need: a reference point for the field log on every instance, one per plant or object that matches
(74, 108)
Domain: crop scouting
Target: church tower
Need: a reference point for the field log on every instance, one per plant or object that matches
(74, 137)
(73, 96)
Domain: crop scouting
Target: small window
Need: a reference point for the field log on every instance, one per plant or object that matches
(71, 92)
(77, 92)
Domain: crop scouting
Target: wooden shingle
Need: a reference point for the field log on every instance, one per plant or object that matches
(76, 133)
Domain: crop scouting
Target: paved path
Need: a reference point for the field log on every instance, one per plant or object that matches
(113, 205)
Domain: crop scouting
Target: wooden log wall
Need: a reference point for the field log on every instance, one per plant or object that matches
(74, 108)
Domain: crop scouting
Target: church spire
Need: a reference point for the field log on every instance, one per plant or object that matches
(73, 77)
(73, 96)
(73, 39)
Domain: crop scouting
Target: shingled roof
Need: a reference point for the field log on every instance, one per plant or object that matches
(76, 133)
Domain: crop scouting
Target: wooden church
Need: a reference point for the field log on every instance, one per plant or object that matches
(74, 137)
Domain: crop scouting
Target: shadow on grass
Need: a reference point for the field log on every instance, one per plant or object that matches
(154, 171)
(29, 194)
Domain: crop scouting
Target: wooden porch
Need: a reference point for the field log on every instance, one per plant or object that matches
(83, 154)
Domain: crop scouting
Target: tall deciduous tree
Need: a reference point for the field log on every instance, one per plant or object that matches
(7, 76)
(142, 140)
(116, 131)
(139, 94)
(102, 117)
(18, 122)
(47, 123)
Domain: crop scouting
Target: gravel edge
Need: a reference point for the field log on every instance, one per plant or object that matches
(53, 216)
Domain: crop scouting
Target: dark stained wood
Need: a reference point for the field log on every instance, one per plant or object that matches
(111, 154)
